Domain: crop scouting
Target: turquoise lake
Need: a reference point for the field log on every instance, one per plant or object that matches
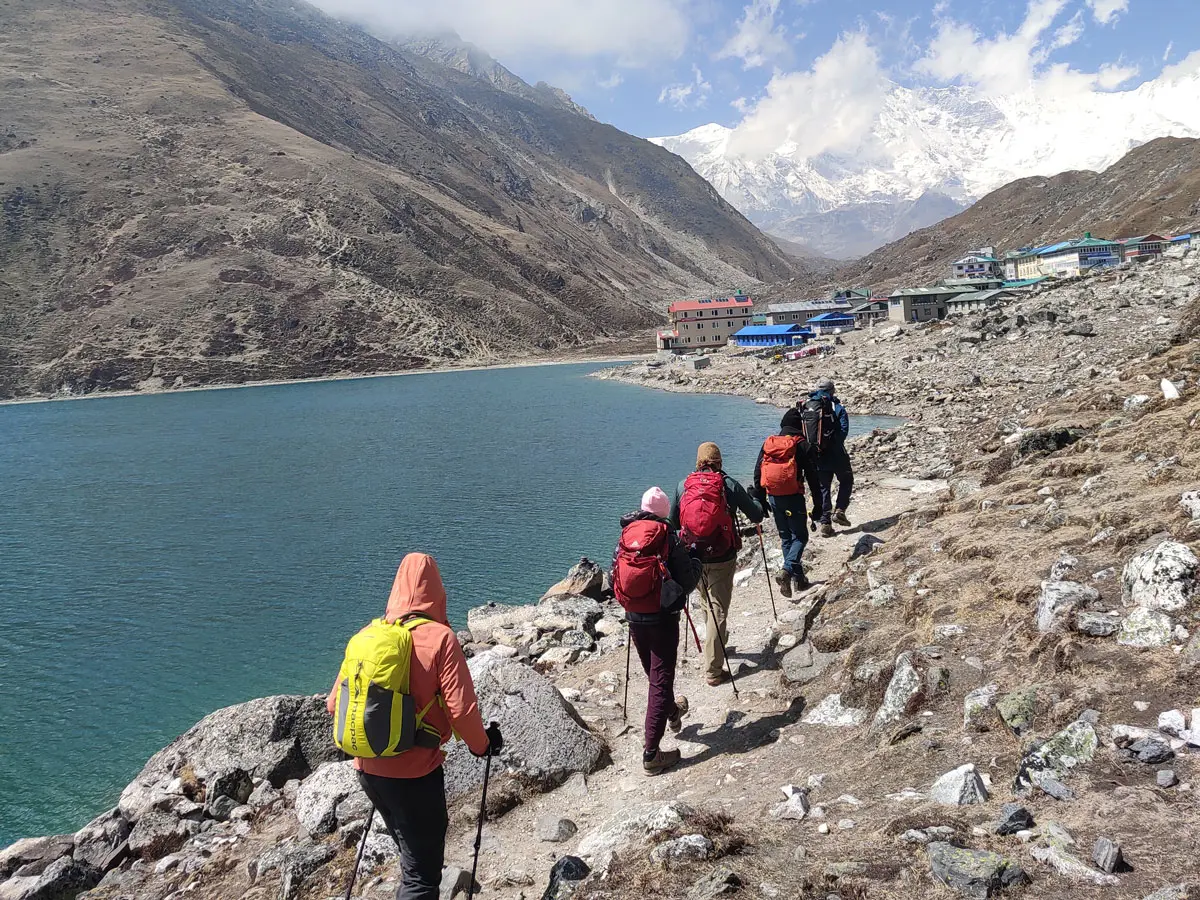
(166, 555)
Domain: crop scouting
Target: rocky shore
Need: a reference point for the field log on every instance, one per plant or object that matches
(993, 688)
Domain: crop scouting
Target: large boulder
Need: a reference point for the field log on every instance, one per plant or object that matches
(1146, 628)
(545, 741)
(32, 856)
(276, 738)
(62, 879)
(586, 579)
(638, 825)
(321, 792)
(1163, 578)
(100, 841)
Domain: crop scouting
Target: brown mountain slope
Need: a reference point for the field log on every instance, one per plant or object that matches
(1155, 187)
(213, 190)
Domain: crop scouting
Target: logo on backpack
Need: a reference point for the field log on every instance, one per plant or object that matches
(820, 428)
(778, 472)
(375, 714)
(640, 566)
(704, 518)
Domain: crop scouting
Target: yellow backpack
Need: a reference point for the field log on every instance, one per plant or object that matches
(375, 713)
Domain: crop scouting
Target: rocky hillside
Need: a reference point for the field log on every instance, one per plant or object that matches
(992, 690)
(1155, 188)
(203, 191)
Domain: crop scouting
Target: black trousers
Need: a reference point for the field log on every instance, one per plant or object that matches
(845, 478)
(414, 811)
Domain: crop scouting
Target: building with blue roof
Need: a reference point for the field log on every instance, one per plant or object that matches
(773, 335)
(832, 322)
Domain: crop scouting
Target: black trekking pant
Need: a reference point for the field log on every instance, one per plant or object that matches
(845, 478)
(414, 811)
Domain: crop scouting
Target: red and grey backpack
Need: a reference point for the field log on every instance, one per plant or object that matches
(640, 565)
(704, 518)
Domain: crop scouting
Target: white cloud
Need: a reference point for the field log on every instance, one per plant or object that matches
(1186, 67)
(758, 39)
(832, 106)
(632, 32)
(1167, 52)
(615, 80)
(1106, 11)
(1069, 33)
(689, 94)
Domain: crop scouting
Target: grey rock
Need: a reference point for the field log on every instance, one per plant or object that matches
(831, 712)
(157, 833)
(264, 795)
(220, 808)
(1189, 501)
(565, 876)
(1146, 628)
(688, 848)
(276, 738)
(882, 596)
(1067, 865)
(320, 793)
(1073, 746)
(795, 807)
(234, 783)
(1176, 892)
(1052, 787)
(577, 640)
(101, 841)
(1163, 578)
(720, 880)
(545, 741)
(455, 881)
(555, 829)
(1063, 566)
(1172, 722)
(960, 787)
(977, 874)
(62, 879)
(639, 823)
(1096, 624)
(803, 664)
(1151, 751)
(1166, 778)
(978, 707)
(586, 579)
(1047, 440)
(559, 656)
(1013, 818)
(38, 852)
(1058, 600)
(298, 865)
(356, 805)
(1106, 855)
(903, 693)
(846, 868)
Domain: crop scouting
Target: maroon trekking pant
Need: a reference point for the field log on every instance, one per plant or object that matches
(657, 647)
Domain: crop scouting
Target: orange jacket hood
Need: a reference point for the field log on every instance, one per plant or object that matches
(418, 589)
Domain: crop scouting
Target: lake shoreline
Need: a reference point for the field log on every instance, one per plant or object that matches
(629, 358)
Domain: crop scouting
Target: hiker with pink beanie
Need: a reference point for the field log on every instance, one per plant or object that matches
(653, 573)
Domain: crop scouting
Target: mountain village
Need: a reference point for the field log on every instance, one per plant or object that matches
(977, 281)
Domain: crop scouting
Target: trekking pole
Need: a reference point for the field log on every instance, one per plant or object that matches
(695, 634)
(625, 704)
(487, 771)
(767, 570)
(362, 846)
(720, 637)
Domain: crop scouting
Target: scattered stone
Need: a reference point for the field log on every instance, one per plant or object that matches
(454, 881)
(831, 712)
(101, 843)
(1070, 867)
(960, 787)
(903, 692)
(978, 707)
(1047, 440)
(1018, 709)
(1063, 566)
(234, 783)
(585, 579)
(320, 793)
(1052, 787)
(1190, 502)
(63, 878)
(298, 865)
(1058, 600)
(157, 833)
(1106, 855)
(1096, 624)
(220, 808)
(555, 830)
(565, 876)
(689, 848)
(803, 664)
(720, 881)
(33, 855)
(1013, 818)
(1146, 628)
(1172, 722)
(882, 596)
(264, 795)
(1175, 892)
(1073, 746)
(1150, 751)
(1166, 778)
(1163, 578)
(641, 824)
(796, 805)
(977, 874)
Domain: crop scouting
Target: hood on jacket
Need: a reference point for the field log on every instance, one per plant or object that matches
(792, 422)
(418, 589)
(629, 518)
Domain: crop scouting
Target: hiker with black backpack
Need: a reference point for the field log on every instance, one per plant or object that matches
(784, 465)
(703, 512)
(652, 575)
(409, 657)
(826, 427)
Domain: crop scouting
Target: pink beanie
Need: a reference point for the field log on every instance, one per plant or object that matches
(655, 502)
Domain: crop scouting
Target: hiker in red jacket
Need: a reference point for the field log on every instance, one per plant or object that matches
(652, 575)
(784, 464)
(704, 508)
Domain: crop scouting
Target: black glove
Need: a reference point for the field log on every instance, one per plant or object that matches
(495, 741)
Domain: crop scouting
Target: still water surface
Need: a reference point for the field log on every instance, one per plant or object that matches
(163, 556)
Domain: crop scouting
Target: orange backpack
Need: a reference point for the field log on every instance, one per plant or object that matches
(778, 474)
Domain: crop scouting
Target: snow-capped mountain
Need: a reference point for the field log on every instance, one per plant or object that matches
(930, 153)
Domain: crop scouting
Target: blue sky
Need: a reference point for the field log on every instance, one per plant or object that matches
(657, 67)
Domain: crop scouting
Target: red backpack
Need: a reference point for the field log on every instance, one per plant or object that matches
(640, 566)
(704, 518)
(778, 473)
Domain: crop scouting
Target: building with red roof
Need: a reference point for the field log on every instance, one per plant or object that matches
(700, 324)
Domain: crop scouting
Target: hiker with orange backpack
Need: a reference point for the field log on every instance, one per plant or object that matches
(652, 575)
(410, 657)
(784, 464)
(703, 511)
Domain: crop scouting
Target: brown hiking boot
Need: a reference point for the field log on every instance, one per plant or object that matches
(717, 680)
(675, 723)
(801, 582)
(827, 530)
(784, 580)
(839, 516)
(661, 761)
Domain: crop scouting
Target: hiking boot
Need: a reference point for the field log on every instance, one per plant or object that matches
(784, 580)
(801, 582)
(717, 680)
(839, 516)
(675, 723)
(827, 530)
(660, 761)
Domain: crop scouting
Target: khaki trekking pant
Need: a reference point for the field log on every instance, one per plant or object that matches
(719, 580)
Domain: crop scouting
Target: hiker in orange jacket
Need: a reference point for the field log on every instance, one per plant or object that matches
(784, 465)
(409, 790)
